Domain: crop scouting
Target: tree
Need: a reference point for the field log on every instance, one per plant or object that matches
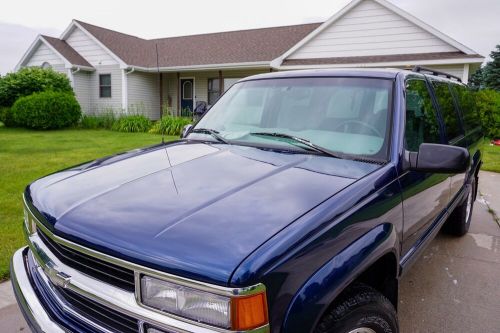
(476, 81)
(30, 80)
(492, 70)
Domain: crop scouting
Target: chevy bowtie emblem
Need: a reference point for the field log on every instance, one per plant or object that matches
(61, 279)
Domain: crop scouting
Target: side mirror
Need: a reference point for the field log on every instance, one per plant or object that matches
(438, 159)
(185, 130)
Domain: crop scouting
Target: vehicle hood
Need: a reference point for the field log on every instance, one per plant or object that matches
(188, 208)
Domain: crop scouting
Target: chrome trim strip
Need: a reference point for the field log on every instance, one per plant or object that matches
(119, 299)
(27, 299)
(65, 306)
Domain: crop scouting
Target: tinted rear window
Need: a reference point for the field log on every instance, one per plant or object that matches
(466, 102)
(448, 111)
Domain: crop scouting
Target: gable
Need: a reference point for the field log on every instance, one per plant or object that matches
(42, 53)
(367, 29)
(88, 48)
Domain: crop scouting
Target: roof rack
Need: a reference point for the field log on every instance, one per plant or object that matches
(420, 69)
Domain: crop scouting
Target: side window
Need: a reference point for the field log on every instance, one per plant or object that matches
(421, 121)
(466, 101)
(450, 115)
(104, 85)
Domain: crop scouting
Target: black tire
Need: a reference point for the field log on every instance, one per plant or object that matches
(459, 221)
(360, 307)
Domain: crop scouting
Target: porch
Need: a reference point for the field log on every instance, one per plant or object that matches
(176, 93)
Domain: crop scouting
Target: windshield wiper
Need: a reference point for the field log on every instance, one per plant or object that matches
(305, 142)
(211, 132)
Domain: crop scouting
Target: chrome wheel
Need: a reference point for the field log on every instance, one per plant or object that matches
(362, 330)
(468, 208)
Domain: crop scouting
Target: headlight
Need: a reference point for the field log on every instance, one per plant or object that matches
(236, 313)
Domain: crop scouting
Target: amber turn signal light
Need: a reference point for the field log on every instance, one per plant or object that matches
(249, 312)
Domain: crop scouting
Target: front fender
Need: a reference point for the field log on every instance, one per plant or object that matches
(314, 297)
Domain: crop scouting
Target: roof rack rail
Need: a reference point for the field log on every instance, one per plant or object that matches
(420, 69)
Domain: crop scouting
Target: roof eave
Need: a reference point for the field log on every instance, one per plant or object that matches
(242, 65)
(406, 63)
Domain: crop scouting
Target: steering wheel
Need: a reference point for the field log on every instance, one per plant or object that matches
(357, 122)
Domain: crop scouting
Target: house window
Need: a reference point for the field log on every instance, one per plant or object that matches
(213, 91)
(46, 65)
(104, 85)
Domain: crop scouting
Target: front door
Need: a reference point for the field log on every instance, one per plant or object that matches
(187, 96)
(425, 195)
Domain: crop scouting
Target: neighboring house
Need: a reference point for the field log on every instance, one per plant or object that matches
(110, 70)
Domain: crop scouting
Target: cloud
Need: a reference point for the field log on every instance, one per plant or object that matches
(15, 41)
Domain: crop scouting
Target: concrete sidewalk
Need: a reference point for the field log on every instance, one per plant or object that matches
(453, 287)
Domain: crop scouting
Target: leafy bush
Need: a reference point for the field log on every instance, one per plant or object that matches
(6, 116)
(105, 120)
(30, 80)
(169, 125)
(134, 123)
(46, 110)
(488, 105)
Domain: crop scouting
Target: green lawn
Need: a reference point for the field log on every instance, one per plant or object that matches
(491, 156)
(27, 155)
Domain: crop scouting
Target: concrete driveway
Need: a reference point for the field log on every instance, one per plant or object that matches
(453, 287)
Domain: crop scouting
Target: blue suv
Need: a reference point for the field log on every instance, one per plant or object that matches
(295, 204)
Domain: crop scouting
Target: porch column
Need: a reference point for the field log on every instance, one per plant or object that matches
(161, 95)
(178, 93)
(221, 83)
(465, 74)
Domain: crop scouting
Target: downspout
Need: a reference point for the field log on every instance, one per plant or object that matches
(125, 88)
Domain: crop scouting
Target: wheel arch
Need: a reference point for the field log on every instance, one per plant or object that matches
(371, 253)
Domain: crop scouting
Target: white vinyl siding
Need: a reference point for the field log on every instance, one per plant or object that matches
(113, 103)
(44, 54)
(89, 49)
(144, 94)
(371, 29)
(457, 70)
(81, 86)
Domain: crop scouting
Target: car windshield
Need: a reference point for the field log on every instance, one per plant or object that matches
(348, 116)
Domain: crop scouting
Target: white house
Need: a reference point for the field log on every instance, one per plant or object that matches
(110, 70)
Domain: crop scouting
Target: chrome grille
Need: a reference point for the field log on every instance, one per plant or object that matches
(100, 314)
(107, 272)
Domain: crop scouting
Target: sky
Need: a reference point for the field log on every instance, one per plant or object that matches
(473, 23)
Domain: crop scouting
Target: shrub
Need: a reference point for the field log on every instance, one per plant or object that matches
(133, 123)
(46, 110)
(6, 116)
(30, 80)
(488, 105)
(93, 121)
(169, 125)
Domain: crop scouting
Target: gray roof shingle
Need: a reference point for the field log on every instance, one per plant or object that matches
(67, 51)
(241, 46)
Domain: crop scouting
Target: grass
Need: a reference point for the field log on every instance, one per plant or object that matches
(26, 155)
(491, 157)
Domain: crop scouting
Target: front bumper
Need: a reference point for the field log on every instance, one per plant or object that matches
(34, 312)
